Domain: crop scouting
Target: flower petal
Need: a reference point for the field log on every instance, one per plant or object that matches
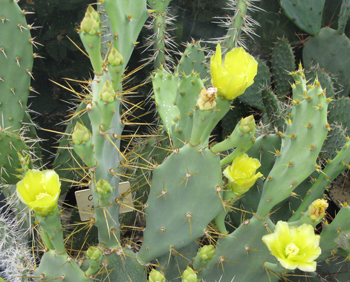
(51, 181)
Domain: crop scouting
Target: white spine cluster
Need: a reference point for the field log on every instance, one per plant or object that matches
(158, 34)
(236, 31)
(16, 259)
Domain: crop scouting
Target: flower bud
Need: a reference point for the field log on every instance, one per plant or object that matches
(115, 58)
(189, 275)
(156, 276)
(247, 125)
(93, 253)
(93, 13)
(91, 22)
(107, 93)
(103, 187)
(207, 252)
(80, 134)
(317, 210)
(241, 174)
(40, 190)
(207, 98)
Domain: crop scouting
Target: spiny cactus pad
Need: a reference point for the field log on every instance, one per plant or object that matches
(339, 112)
(176, 210)
(283, 62)
(305, 14)
(193, 59)
(16, 61)
(10, 144)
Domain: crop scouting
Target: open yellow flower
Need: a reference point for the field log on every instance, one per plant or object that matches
(241, 174)
(294, 246)
(233, 76)
(40, 190)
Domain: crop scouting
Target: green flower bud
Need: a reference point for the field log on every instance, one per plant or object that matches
(115, 58)
(80, 134)
(107, 93)
(156, 276)
(189, 275)
(94, 253)
(93, 13)
(207, 253)
(91, 22)
(103, 187)
(247, 125)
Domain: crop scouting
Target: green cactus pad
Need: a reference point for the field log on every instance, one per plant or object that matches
(306, 14)
(193, 59)
(186, 99)
(10, 144)
(165, 87)
(252, 95)
(188, 200)
(123, 267)
(249, 250)
(174, 263)
(16, 61)
(339, 224)
(126, 19)
(343, 16)
(327, 80)
(283, 62)
(273, 109)
(334, 142)
(330, 51)
(339, 112)
(64, 267)
(305, 133)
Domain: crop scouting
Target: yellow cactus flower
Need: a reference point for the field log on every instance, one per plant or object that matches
(241, 174)
(40, 190)
(317, 209)
(294, 246)
(233, 76)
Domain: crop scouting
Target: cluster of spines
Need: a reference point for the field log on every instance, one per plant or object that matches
(15, 258)
(239, 22)
(160, 42)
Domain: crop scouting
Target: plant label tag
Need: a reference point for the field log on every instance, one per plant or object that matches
(86, 205)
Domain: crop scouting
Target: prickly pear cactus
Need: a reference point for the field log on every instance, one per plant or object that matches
(244, 208)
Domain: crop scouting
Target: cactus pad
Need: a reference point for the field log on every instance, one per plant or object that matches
(330, 51)
(307, 15)
(282, 62)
